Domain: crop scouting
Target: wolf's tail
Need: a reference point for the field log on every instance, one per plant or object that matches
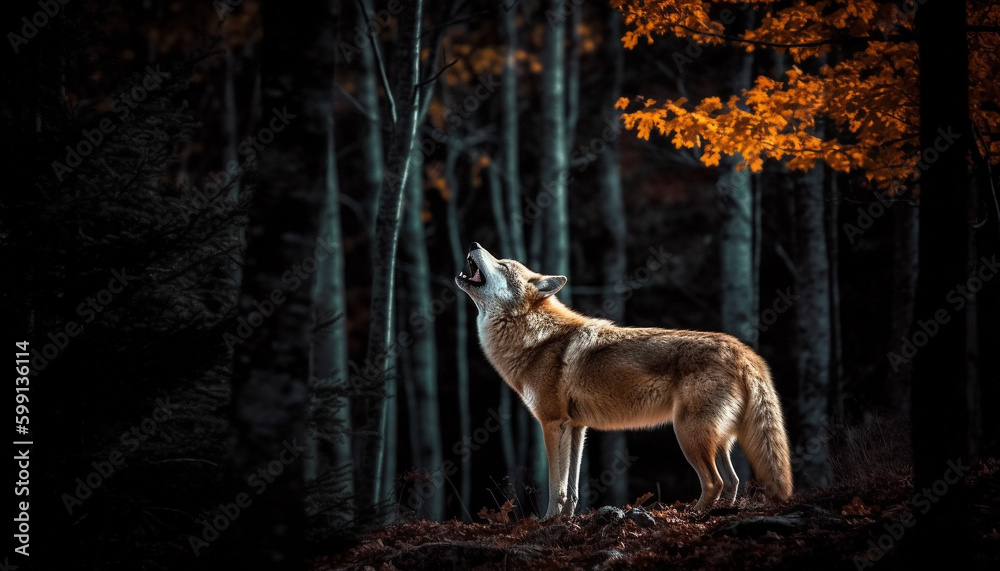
(761, 433)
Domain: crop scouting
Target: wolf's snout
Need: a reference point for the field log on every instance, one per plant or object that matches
(475, 276)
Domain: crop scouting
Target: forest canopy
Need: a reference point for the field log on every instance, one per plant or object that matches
(847, 93)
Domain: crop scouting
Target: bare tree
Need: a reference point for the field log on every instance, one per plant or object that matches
(404, 106)
(421, 382)
(330, 451)
(612, 206)
(813, 324)
(554, 160)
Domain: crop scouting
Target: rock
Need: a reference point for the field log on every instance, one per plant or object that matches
(642, 517)
(609, 515)
(760, 525)
(604, 559)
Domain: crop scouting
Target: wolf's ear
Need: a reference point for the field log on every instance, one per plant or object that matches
(548, 285)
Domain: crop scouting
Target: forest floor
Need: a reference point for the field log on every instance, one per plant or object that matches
(855, 525)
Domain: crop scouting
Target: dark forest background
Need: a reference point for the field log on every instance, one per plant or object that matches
(175, 164)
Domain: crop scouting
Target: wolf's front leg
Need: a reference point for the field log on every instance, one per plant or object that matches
(558, 444)
(577, 434)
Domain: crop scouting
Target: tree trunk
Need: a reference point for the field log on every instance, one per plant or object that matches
(389, 432)
(572, 89)
(497, 205)
(427, 453)
(511, 175)
(813, 327)
(573, 78)
(271, 366)
(738, 247)
(331, 414)
(554, 153)
(836, 392)
(905, 252)
(509, 135)
(736, 253)
(458, 253)
(237, 237)
(552, 239)
(612, 207)
(381, 342)
(371, 135)
(940, 411)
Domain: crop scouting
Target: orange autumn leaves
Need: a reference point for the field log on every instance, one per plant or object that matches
(859, 114)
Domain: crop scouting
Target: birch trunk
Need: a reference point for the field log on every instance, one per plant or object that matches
(612, 207)
(382, 345)
(813, 328)
(331, 450)
(426, 439)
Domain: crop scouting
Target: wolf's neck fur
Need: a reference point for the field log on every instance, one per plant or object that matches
(506, 336)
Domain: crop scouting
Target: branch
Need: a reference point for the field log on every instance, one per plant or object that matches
(787, 260)
(423, 91)
(817, 43)
(459, 21)
(361, 213)
(370, 115)
(438, 74)
(381, 63)
(984, 163)
(669, 73)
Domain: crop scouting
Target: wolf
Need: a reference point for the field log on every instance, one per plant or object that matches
(575, 373)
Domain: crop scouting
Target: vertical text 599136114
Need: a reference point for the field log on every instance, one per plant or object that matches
(22, 445)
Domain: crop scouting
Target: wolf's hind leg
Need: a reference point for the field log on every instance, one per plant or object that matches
(699, 442)
(731, 482)
(577, 434)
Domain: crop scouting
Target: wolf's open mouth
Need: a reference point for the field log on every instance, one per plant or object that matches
(477, 279)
